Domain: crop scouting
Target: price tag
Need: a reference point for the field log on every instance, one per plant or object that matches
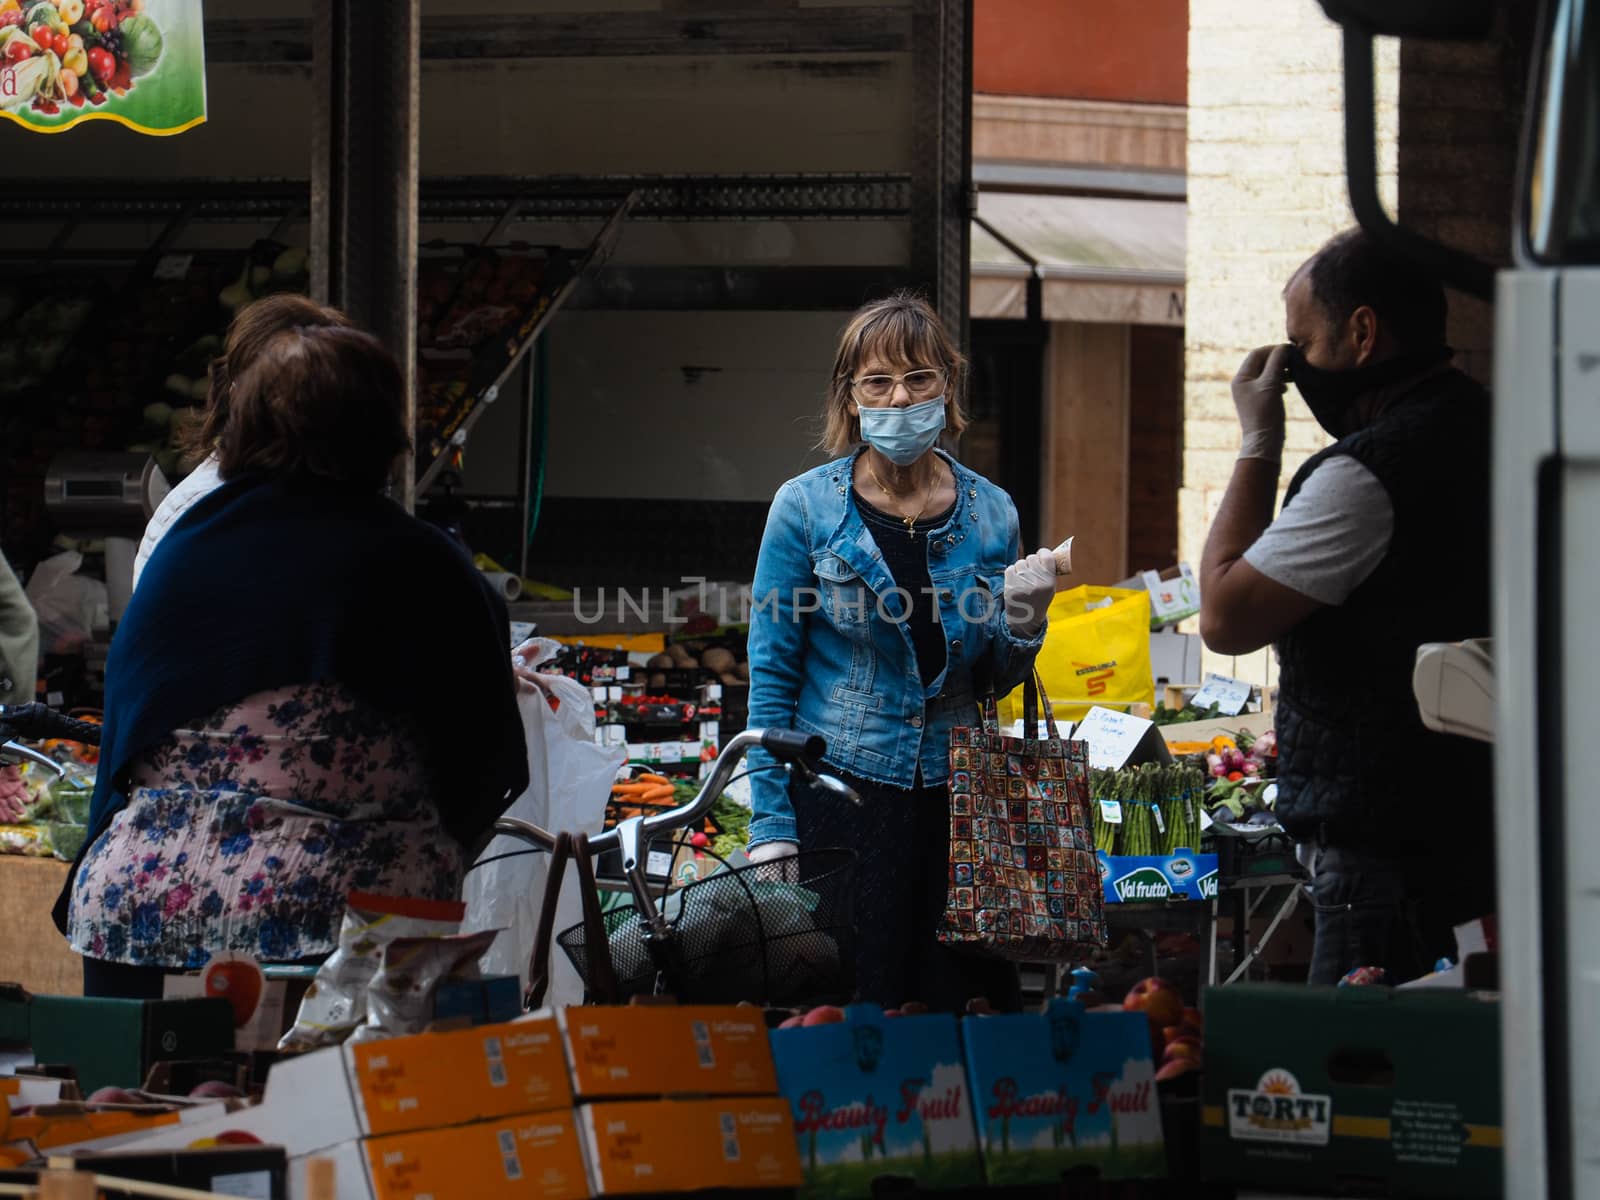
(1205, 821)
(1161, 821)
(173, 266)
(1111, 812)
(1229, 695)
(658, 862)
(1114, 737)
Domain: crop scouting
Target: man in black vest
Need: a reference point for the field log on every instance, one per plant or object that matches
(1382, 546)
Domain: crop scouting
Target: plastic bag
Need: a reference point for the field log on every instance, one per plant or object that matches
(569, 782)
(70, 606)
(400, 996)
(1096, 651)
(335, 1004)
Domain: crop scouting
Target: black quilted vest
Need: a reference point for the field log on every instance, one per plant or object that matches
(1356, 767)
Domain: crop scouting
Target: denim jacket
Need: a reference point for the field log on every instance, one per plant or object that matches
(828, 654)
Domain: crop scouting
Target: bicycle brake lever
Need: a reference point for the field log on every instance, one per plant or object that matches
(16, 750)
(828, 783)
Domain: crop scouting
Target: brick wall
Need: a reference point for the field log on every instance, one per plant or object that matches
(1266, 188)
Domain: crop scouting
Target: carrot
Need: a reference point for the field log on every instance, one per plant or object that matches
(632, 789)
(657, 793)
(650, 778)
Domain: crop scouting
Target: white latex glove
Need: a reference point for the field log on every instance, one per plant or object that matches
(768, 851)
(1030, 584)
(1258, 389)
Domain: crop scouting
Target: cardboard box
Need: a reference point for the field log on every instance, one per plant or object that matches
(427, 1081)
(879, 1098)
(53, 1128)
(1340, 1089)
(259, 1172)
(1174, 658)
(649, 1147)
(534, 1156)
(1065, 1090)
(1204, 731)
(1157, 879)
(668, 1050)
(266, 1025)
(112, 1043)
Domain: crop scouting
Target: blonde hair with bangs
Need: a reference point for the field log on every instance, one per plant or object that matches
(902, 328)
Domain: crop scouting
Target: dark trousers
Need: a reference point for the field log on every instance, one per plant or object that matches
(902, 839)
(1396, 913)
(122, 981)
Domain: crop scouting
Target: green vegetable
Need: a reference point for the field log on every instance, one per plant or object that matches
(141, 43)
(44, 12)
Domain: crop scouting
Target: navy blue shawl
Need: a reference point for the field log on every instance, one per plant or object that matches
(269, 583)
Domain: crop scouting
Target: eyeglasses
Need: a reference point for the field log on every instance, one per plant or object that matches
(923, 384)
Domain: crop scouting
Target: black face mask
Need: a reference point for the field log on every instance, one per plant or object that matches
(1332, 395)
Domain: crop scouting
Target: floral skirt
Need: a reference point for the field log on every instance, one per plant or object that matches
(246, 834)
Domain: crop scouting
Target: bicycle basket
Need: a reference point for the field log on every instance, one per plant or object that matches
(776, 933)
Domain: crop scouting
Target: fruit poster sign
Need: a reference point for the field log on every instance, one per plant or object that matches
(140, 63)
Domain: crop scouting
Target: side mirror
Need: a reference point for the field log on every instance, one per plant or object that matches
(1362, 20)
(1445, 20)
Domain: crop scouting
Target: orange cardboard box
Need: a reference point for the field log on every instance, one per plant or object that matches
(650, 1146)
(668, 1050)
(520, 1156)
(437, 1079)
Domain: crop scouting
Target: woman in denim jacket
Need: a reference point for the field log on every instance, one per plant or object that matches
(889, 598)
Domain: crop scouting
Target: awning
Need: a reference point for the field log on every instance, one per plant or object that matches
(1099, 259)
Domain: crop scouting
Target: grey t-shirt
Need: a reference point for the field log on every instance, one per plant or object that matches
(1331, 536)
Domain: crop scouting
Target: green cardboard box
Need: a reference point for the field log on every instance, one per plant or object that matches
(113, 1043)
(1353, 1090)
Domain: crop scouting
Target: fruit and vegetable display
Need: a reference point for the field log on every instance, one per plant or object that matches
(1175, 1030)
(1146, 810)
(1241, 771)
(42, 815)
(73, 53)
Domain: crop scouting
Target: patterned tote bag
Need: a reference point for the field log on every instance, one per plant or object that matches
(1024, 879)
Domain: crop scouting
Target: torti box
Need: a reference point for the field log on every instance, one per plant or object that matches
(668, 1050)
(648, 1147)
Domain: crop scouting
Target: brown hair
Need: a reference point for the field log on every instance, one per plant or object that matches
(321, 400)
(902, 328)
(253, 327)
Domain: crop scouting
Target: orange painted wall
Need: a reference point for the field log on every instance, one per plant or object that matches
(1131, 50)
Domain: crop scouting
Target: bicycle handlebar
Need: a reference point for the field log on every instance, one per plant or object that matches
(36, 722)
(783, 744)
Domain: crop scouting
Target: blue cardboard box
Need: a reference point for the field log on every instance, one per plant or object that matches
(1158, 878)
(1064, 1091)
(878, 1097)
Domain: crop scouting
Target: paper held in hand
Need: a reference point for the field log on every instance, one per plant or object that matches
(1063, 555)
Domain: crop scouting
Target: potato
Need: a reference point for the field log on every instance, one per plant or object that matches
(661, 662)
(677, 653)
(743, 671)
(718, 660)
(731, 680)
(658, 680)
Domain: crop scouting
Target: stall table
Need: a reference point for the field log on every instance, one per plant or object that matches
(32, 952)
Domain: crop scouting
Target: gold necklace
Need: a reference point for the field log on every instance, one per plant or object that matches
(927, 498)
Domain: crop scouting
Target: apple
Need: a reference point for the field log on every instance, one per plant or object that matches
(1184, 1048)
(826, 1014)
(114, 1095)
(215, 1089)
(1191, 1016)
(238, 1137)
(1176, 1069)
(913, 1008)
(1157, 999)
(893, 1012)
(793, 1022)
(237, 979)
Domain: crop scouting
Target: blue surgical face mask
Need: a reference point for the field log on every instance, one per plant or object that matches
(903, 435)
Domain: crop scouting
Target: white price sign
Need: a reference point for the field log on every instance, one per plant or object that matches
(1229, 695)
(1114, 737)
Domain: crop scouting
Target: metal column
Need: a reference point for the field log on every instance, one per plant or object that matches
(942, 191)
(366, 74)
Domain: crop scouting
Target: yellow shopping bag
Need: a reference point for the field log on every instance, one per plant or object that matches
(1096, 652)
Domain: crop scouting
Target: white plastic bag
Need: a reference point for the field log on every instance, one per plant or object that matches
(70, 606)
(569, 782)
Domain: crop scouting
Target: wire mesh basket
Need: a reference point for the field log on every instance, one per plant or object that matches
(775, 933)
